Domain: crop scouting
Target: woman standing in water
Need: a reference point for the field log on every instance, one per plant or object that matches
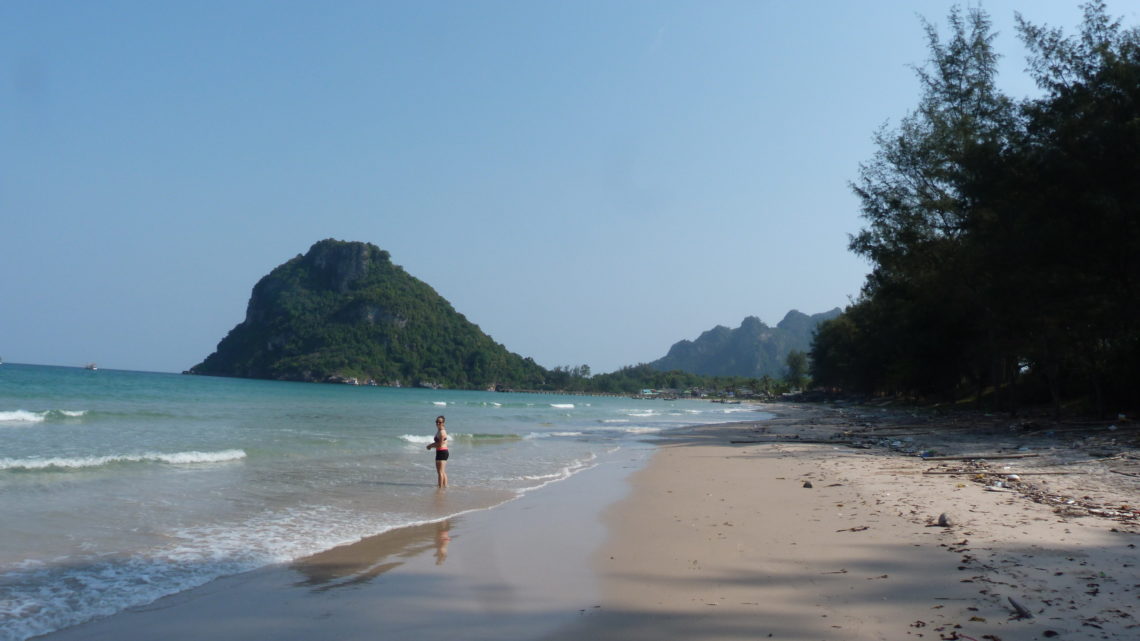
(440, 445)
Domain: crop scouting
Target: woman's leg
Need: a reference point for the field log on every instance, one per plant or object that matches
(441, 467)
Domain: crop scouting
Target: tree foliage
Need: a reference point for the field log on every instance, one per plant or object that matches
(1004, 236)
(797, 364)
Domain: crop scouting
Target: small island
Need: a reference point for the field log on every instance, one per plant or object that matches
(344, 313)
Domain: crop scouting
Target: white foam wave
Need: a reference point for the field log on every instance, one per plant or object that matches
(737, 410)
(439, 403)
(562, 474)
(536, 435)
(641, 430)
(74, 463)
(24, 416)
(39, 601)
(542, 477)
(418, 439)
(615, 420)
(562, 406)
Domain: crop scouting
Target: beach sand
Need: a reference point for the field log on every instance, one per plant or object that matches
(715, 539)
(724, 541)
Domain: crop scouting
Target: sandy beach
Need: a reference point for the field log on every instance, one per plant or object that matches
(775, 538)
(819, 524)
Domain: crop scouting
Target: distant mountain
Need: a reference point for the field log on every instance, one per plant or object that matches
(752, 350)
(343, 311)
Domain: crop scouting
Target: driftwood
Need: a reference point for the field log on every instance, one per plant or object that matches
(1022, 611)
(1042, 473)
(794, 441)
(891, 435)
(927, 427)
(1004, 473)
(972, 457)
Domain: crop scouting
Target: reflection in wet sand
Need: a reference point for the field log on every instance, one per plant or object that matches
(363, 561)
(442, 538)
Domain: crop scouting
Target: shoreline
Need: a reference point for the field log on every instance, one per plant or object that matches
(515, 570)
(698, 536)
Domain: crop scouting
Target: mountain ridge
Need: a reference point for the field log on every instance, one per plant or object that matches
(753, 350)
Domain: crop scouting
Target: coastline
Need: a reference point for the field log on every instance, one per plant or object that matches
(518, 570)
(700, 537)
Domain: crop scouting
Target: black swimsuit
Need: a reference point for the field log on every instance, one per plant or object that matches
(440, 452)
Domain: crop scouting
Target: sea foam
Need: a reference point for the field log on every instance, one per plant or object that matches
(81, 462)
(418, 439)
(24, 416)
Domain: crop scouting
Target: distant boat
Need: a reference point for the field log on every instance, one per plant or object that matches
(91, 366)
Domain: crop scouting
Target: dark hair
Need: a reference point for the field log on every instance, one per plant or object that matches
(440, 418)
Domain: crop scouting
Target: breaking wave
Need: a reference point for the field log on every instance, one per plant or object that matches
(86, 462)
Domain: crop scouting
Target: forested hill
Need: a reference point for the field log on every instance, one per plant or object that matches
(751, 350)
(345, 311)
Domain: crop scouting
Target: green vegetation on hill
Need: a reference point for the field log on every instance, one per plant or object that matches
(344, 311)
(1004, 235)
(749, 351)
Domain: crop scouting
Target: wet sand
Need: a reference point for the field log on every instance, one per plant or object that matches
(714, 539)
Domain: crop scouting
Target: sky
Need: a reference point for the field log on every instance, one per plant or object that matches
(588, 181)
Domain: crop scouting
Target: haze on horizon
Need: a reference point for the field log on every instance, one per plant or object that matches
(589, 182)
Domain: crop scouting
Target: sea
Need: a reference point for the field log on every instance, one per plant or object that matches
(118, 488)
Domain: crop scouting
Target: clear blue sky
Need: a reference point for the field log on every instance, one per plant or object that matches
(589, 182)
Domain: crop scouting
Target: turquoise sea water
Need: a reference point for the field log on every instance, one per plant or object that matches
(118, 488)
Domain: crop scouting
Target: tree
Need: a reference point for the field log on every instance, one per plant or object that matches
(797, 363)
(919, 196)
(1079, 169)
(1004, 238)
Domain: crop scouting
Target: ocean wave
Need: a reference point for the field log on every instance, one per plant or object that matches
(536, 435)
(37, 601)
(420, 439)
(562, 406)
(487, 437)
(640, 430)
(84, 462)
(738, 410)
(24, 416)
(553, 477)
(642, 413)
